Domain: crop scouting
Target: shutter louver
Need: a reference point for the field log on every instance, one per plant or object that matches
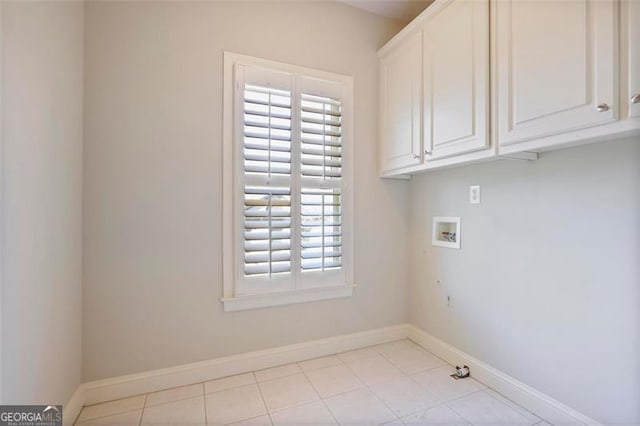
(321, 144)
(321, 225)
(267, 206)
(321, 172)
(267, 130)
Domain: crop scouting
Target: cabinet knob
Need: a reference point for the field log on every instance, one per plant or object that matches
(635, 99)
(416, 157)
(427, 152)
(602, 108)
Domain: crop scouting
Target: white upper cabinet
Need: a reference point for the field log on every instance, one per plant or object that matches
(456, 79)
(631, 45)
(400, 90)
(475, 79)
(556, 67)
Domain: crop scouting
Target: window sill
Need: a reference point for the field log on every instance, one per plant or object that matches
(255, 301)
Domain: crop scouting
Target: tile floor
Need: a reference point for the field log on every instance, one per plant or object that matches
(396, 383)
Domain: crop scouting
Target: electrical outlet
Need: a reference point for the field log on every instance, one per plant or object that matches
(474, 194)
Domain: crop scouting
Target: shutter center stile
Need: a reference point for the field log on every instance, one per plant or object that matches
(270, 195)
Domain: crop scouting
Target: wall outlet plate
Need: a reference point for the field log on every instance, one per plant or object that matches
(474, 194)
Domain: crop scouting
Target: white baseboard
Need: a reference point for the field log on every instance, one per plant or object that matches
(538, 403)
(72, 408)
(152, 381)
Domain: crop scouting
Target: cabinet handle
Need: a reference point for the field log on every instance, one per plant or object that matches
(427, 152)
(635, 99)
(602, 108)
(416, 157)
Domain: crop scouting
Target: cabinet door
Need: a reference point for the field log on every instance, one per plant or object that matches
(400, 79)
(632, 24)
(556, 67)
(456, 79)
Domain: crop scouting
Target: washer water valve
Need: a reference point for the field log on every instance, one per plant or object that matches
(461, 372)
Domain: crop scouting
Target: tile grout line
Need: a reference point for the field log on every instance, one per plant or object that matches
(515, 407)
(443, 402)
(275, 378)
(451, 365)
(144, 406)
(368, 387)
(375, 394)
(171, 401)
(428, 351)
(446, 401)
(364, 386)
(423, 410)
(474, 393)
(385, 404)
(419, 349)
(114, 400)
(111, 414)
(383, 381)
(358, 359)
(318, 393)
(233, 387)
(491, 396)
(297, 404)
(439, 404)
(454, 410)
(204, 399)
(91, 420)
(264, 402)
(314, 388)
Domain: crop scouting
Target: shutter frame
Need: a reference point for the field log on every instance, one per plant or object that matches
(342, 87)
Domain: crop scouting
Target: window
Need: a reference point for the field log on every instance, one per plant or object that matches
(287, 184)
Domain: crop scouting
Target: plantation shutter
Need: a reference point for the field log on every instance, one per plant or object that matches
(321, 180)
(266, 129)
(291, 133)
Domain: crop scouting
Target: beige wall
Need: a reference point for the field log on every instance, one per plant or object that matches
(547, 285)
(42, 56)
(152, 180)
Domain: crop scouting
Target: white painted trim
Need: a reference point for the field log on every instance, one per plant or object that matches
(152, 381)
(622, 129)
(72, 408)
(105, 390)
(291, 290)
(228, 206)
(470, 158)
(524, 155)
(264, 300)
(537, 402)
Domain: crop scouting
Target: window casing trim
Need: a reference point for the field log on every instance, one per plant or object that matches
(232, 188)
(301, 295)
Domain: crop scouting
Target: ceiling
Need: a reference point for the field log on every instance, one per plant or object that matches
(403, 10)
